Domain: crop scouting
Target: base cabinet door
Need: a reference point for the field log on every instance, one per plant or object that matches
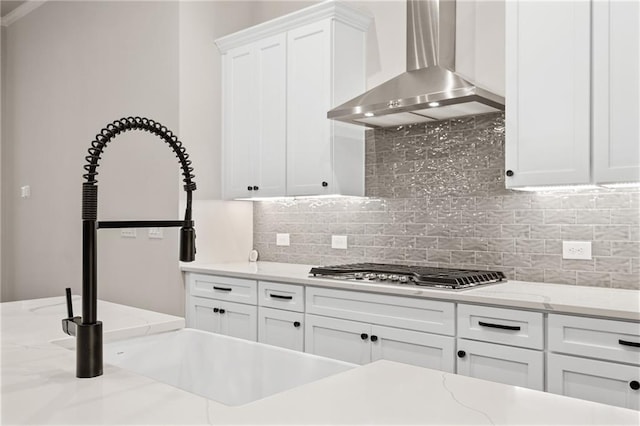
(412, 347)
(599, 381)
(238, 320)
(281, 328)
(500, 363)
(228, 318)
(338, 339)
(202, 315)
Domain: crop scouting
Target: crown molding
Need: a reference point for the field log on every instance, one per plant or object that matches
(21, 11)
(327, 9)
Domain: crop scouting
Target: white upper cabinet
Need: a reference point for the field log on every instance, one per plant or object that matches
(279, 80)
(254, 119)
(616, 91)
(547, 93)
(572, 93)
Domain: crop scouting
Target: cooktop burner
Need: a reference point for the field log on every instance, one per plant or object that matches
(444, 278)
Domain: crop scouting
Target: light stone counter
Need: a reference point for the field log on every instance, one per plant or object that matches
(558, 298)
(39, 387)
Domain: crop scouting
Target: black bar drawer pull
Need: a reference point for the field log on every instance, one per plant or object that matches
(279, 296)
(503, 327)
(222, 288)
(627, 343)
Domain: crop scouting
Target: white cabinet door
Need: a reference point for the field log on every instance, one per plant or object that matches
(548, 93)
(240, 119)
(309, 155)
(270, 98)
(616, 91)
(412, 347)
(338, 339)
(599, 381)
(238, 320)
(502, 364)
(281, 328)
(231, 319)
(201, 315)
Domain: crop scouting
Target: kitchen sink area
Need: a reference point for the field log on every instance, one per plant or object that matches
(370, 212)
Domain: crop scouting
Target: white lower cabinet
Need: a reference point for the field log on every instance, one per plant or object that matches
(281, 328)
(502, 364)
(612, 378)
(228, 318)
(361, 343)
(599, 381)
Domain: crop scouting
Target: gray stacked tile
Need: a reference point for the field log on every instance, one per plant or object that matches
(436, 197)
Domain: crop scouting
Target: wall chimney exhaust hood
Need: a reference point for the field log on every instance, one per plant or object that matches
(429, 90)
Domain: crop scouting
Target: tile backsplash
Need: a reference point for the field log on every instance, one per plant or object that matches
(436, 197)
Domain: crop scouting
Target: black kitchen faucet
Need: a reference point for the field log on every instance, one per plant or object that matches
(87, 329)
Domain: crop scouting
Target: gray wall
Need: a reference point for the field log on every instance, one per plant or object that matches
(72, 67)
(437, 198)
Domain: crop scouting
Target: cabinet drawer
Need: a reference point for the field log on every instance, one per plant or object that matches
(281, 296)
(507, 326)
(595, 338)
(223, 288)
(403, 312)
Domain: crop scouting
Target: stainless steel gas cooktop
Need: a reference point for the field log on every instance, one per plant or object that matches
(410, 275)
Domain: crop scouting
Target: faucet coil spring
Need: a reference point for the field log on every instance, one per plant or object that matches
(137, 123)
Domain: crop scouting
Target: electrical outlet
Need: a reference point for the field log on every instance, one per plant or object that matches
(282, 239)
(339, 242)
(156, 233)
(576, 250)
(25, 191)
(128, 233)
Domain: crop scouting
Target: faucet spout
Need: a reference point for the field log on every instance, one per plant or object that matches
(87, 329)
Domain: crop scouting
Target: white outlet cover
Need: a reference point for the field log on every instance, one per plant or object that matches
(580, 250)
(282, 239)
(25, 191)
(339, 242)
(128, 233)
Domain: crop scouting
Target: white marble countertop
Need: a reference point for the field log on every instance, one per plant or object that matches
(39, 387)
(558, 298)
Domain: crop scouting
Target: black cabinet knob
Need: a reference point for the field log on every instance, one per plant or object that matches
(296, 324)
(509, 173)
(364, 336)
(255, 188)
(222, 311)
(634, 384)
(249, 188)
(325, 184)
(374, 338)
(462, 354)
(216, 310)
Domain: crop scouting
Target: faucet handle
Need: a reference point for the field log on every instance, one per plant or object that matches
(70, 323)
(69, 305)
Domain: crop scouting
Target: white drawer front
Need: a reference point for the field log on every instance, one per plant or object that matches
(223, 288)
(281, 296)
(595, 338)
(403, 312)
(507, 326)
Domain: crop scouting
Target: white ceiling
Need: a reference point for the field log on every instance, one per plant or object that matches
(7, 6)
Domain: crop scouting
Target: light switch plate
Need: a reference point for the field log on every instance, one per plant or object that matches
(156, 233)
(339, 242)
(580, 250)
(282, 239)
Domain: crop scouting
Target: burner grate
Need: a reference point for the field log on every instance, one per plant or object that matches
(418, 275)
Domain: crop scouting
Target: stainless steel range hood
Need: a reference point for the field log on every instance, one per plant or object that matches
(430, 89)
